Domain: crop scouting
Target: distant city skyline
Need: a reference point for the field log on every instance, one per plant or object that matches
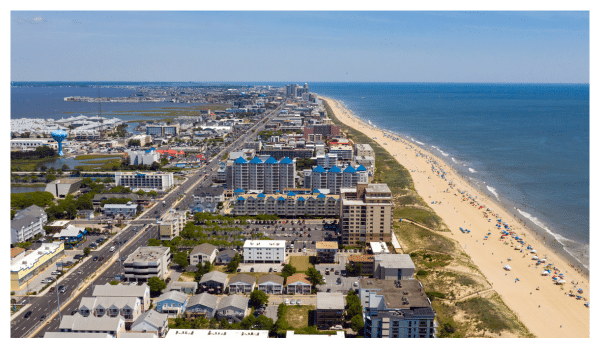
(488, 46)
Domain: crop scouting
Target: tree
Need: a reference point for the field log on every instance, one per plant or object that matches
(235, 262)
(181, 259)
(113, 282)
(314, 276)
(155, 166)
(108, 180)
(356, 323)
(133, 143)
(152, 193)
(86, 251)
(164, 161)
(263, 323)
(354, 309)
(156, 284)
(140, 192)
(248, 322)
(50, 177)
(288, 270)
(154, 242)
(202, 269)
(65, 167)
(258, 298)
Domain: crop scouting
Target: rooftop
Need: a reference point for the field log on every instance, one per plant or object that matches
(298, 277)
(326, 245)
(264, 244)
(147, 254)
(361, 258)
(401, 261)
(28, 261)
(397, 294)
(121, 290)
(181, 333)
(379, 247)
(330, 301)
(377, 187)
(292, 334)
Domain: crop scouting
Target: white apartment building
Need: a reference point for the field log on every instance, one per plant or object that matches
(335, 178)
(27, 223)
(290, 205)
(327, 161)
(171, 224)
(264, 252)
(127, 210)
(269, 176)
(145, 181)
(143, 157)
(366, 214)
(343, 151)
(363, 150)
(146, 262)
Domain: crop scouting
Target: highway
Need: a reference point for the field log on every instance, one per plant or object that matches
(23, 327)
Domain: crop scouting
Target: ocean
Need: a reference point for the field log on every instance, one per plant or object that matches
(524, 145)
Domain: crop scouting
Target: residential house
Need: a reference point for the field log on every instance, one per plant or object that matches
(393, 266)
(298, 283)
(213, 282)
(271, 284)
(185, 287)
(232, 308)
(203, 304)
(327, 252)
(77, 335)
(113, 326)
(172, 302)
(127, 307)
(152, 322)
(241, 283)
(203, 253)
(142, 292)
(224, 257)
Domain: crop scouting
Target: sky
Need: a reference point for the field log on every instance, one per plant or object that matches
(351, 46)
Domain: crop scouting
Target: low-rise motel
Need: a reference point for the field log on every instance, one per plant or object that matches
(28, 266)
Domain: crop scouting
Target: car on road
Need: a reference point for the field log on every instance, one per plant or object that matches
(51, 289)
(123, 258)
(27, 315)
(112, 249)
(62, 289)
(42, 318)
(95, 258)
(101, 258)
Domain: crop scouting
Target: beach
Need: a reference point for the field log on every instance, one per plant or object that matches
(545, 308)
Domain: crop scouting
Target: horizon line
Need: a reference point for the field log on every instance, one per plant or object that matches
(235, 82)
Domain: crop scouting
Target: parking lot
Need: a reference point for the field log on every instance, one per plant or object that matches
(303, 234)
(35, 284)
(259, 267)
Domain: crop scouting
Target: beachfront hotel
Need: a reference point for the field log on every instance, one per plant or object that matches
(288, 205)
(366, 214)
(268, 176)
(335, 178)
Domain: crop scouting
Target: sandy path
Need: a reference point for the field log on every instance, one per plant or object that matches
(543, 311)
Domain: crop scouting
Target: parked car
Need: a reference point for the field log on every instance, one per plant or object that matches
(56, 272)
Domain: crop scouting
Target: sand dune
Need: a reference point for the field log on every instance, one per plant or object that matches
(543, 311)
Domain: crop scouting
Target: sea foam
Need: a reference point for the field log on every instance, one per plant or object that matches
(566, 243)
(493, 191)
(472, 170)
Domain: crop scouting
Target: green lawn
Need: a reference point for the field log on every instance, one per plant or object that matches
(297, 316)
(90, 157)
(301, 263)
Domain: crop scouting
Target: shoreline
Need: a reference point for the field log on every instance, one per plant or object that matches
(533, 229)
(559, 308)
